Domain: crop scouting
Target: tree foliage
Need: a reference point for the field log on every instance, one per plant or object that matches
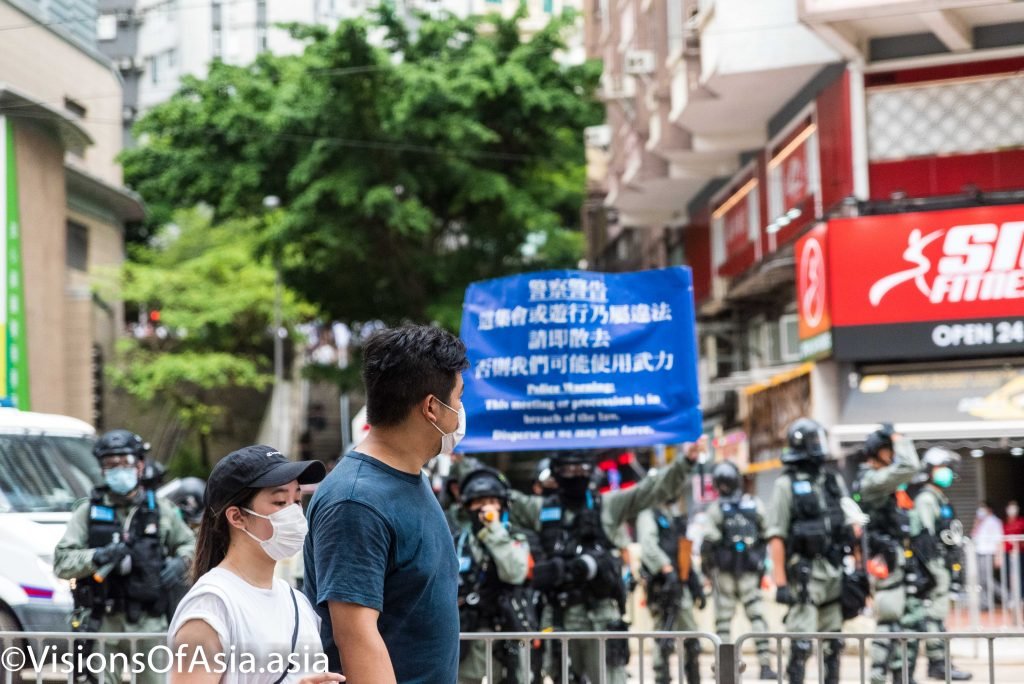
(216, 301)
(410, 158)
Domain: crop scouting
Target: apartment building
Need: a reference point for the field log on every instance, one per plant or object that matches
(846, 180)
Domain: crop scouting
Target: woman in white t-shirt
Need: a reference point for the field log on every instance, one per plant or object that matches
(239, 624)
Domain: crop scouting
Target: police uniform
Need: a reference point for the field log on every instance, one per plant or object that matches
(881, 493)
(807, 514)
(734, 556)
(571, 528)
(123, 603)
(659, 532)
(938, 519)
(493, 565)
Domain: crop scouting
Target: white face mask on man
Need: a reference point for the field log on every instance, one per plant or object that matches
(289, 534)
(450, 440)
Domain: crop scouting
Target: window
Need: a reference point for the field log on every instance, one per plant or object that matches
(77, 247)
(217, 39)
(790, 345)
(152, 64)
(106, 27)
(75, 107)
(172, 58)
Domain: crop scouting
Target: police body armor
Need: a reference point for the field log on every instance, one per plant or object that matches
(583, 535)
(140, 590)
(888, 534)
(950, 533)
(741, 548)
(814, 532)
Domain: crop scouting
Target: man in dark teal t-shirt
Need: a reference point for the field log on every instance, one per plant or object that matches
(380, 566)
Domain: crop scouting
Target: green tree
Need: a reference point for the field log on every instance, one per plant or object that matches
(409, 164)
(216, 302)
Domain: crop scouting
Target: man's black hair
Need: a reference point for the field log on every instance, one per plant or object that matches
(402, 366)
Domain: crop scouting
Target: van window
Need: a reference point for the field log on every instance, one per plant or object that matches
(43, 473)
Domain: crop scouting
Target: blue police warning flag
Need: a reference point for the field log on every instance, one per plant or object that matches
(575, 359)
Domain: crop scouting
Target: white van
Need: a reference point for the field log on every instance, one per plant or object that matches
(46, 465)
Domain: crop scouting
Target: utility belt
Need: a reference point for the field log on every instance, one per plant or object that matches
(812, 539)
(737, 558)
(99, 599)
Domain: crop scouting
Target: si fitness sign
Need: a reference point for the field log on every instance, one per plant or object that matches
(575, 359)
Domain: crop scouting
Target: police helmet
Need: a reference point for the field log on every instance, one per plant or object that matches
(568, 465)
(542, 471)
(120, 443)
(482, 483)
(806, 440)
(187, 494)
(878, 440)
(726, 478)
(937, 457)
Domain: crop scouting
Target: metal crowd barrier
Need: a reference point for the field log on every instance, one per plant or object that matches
(727, 664)
(729, 652)
(992, 596)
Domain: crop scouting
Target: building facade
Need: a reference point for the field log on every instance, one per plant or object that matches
(64, 210)
(845, 179)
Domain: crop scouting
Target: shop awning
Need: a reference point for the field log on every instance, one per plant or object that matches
(972, 407)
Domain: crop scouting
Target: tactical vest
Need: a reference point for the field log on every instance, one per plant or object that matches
(140, 590)
(815, 532)
(949, 533)
(479, 585)
(568, 539)
(741, 548)
(670, 530)
(888, 528)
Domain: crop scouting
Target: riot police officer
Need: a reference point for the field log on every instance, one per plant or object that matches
(808, 535)
(897, 555)
(673, 587)
(493, 565)
(125, 548)
(187, 494)
(939, 520)
(733, 554)
(580, 569)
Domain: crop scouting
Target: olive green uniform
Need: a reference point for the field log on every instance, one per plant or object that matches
(817, 580)
(731, 587)
(653, 558)
(935, 514)
(877, 488)
(616, 508)
(510, 555)
(73, 559)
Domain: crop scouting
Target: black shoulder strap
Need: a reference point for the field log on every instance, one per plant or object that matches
(295, 633)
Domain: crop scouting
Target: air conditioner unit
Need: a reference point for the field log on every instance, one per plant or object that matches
(789, 338)
(597, 136)
(640, 62)
(126, 64)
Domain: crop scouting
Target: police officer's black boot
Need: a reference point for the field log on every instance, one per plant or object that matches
(833, 649)
(691, 665)
(937, 670)
(800, 651)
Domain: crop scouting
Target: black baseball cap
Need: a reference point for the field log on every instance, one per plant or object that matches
(256, 467)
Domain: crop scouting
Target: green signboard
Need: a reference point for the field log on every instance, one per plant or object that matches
(14, 385)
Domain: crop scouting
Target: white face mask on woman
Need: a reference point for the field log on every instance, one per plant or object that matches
(289, 534)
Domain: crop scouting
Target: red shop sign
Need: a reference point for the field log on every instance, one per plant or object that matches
(893, 277)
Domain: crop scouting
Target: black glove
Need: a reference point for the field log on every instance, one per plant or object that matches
(113, 552)
(784, 596)
(173, 571)
(696, 587)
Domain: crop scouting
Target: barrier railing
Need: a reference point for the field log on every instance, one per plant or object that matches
(727, 664)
